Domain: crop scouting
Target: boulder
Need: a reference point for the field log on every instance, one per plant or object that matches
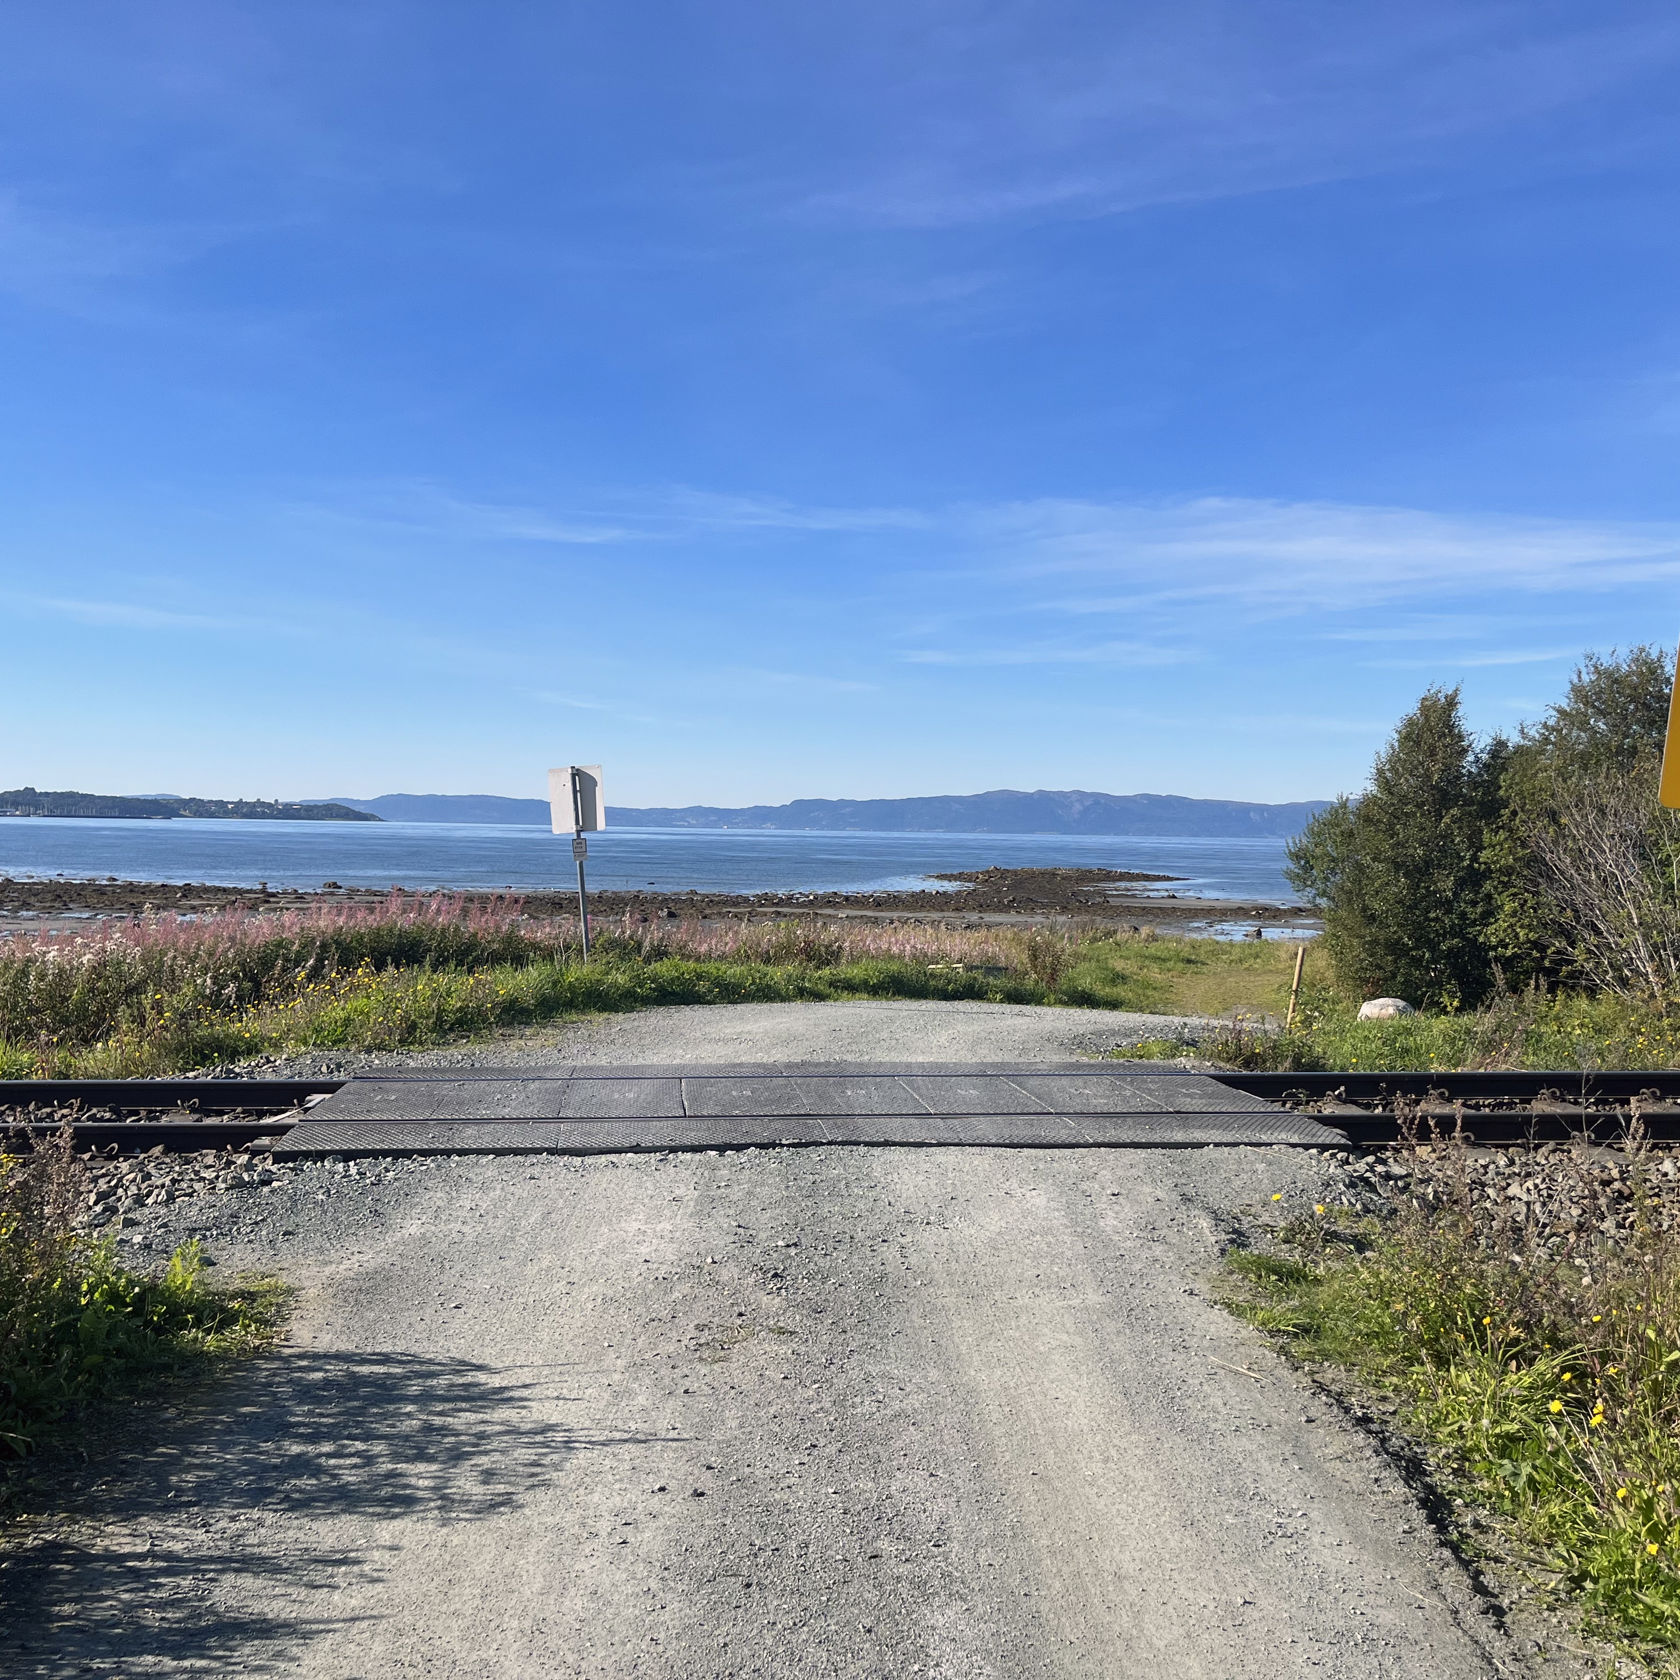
(1384, 1009)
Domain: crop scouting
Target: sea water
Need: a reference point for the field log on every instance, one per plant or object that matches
(479, 856)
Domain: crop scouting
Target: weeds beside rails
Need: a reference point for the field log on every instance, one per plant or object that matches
(1530, 1030)
(167, 993)
(1537, 1353)
(75, 1326)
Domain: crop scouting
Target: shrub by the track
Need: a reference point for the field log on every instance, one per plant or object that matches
(1534, 1343)
(75, 1325)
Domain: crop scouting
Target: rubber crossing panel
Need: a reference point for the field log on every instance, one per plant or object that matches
(594, 1110)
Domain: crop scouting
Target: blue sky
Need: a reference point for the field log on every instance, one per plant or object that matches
(773, 401)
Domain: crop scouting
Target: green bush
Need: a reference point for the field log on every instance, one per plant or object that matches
(1550, 1384)
(1606, 734)
(75, 1326)
(1399, 873)
(1568, 1032)
(1467, 868)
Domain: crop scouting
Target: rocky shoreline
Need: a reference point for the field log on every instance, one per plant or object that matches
(977, 897)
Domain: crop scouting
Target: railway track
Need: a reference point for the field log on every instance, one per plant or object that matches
(1368, 1109)
(1382, 1108)
(130, 1116)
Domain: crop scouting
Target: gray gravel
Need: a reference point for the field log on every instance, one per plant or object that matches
(821, 1412)
(906, 1030)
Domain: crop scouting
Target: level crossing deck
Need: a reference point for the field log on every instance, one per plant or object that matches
(598, 1110)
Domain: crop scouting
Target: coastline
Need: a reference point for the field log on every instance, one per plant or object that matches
(977, 898)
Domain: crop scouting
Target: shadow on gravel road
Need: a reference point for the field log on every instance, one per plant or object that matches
(182, 1548)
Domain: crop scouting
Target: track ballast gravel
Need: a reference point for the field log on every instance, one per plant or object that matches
(818, 1412)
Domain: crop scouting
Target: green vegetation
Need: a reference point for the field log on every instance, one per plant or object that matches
(1567, 1031)
(1469, 870)
(1166, 976)
(1545, 1375)
(77, 1327)
(1400, 871)
(166, 995)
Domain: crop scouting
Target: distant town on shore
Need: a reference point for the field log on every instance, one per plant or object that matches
(27, 802)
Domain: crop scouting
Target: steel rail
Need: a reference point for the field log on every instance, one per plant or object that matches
(206, 1096)
(1369, 1109)
(1455, 1087)
(225, 1095)
(177, 1137)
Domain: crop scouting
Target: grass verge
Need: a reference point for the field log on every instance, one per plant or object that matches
(1542, 1372)
(165, 995)
(1567, 1031)
(76, 1327)
(1179, 976)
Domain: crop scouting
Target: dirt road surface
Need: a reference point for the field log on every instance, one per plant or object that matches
(778, 1413)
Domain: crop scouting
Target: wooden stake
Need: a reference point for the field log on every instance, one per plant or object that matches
(1295, 990)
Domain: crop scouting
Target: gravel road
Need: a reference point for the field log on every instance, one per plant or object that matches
(907, 1030)
(819, 1412)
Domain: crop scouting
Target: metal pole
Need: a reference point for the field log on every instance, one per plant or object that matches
(580, 848)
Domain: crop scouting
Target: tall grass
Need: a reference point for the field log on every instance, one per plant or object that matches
(1560, 1030)
(167, 993)
(75, 1325)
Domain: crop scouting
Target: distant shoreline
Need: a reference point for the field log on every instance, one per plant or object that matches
(987, 897)
(35, 806)
(1001, 811)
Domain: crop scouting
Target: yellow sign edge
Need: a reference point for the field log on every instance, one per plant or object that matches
(1668, 788)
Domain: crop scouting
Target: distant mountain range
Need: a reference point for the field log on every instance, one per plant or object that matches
(1003, 811)
(26, 802)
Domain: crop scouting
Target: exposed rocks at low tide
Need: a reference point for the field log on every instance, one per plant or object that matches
(980, 896)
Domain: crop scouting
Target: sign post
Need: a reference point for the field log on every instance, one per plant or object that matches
(575, 803)
(1668, 788)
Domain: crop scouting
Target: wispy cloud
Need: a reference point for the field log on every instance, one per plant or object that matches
(1172, 103)
(1475, 661)
(73, 264)
(129, 615)
(610, 708)
(750, 679)
(1047, 653)
(418, 507)
(704, 509)
(1284, 555)
(423, 508)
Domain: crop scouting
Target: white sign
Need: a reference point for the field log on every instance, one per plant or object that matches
(574, 799)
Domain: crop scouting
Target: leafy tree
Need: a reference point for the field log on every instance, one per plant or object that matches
(1605, 735)
(1400, 873)
(1614, 715)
